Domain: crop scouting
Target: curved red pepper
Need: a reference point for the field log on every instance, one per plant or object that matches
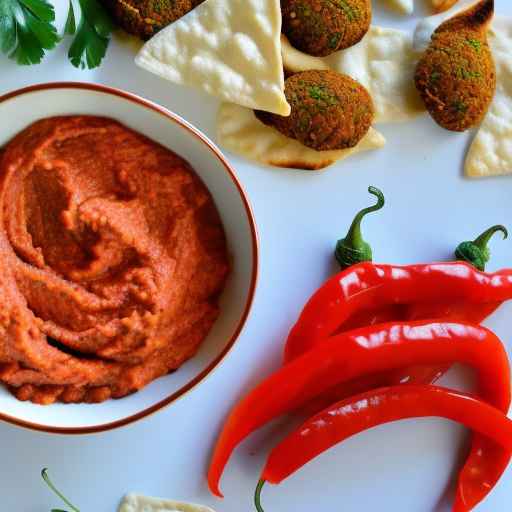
(474, 313)
(367, 351)
(376, 407)
(369, 287)
(460, 311)
(417, 374)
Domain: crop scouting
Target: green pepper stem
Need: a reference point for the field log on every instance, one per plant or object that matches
(476, 252)
(354, 237)
(352, 249)
(482, 241)
(257, 496)
(46, 478)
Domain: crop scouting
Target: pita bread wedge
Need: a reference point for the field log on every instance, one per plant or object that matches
(239, 131)
(384, 62)
(227, 48)
(401, 6)
(490, 153)
(137, 503)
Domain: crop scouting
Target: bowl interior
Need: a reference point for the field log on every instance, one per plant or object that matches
(25, 108)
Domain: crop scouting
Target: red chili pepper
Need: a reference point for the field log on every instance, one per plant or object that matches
(376, 407)
(474, 313)
(367, 294)
(417, 374)
(369, 287)
(347, 356)
(353, 249)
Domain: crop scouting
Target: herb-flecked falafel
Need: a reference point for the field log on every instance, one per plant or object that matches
(144, 18)
(321, 27)
(456, 76)
(329, 110)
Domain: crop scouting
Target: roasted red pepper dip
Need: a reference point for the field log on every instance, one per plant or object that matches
(112, 258)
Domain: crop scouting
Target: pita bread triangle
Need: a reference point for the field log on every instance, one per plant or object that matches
(227, 48)
(402, 6)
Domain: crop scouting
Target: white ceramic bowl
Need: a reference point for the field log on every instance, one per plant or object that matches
(21, 108)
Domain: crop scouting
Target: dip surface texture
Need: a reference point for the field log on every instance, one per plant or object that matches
(112, 258)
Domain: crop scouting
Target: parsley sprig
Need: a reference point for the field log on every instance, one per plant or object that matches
(46, 478)
(27, 31)
(92, 33)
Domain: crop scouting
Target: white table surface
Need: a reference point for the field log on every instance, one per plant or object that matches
(404, 467)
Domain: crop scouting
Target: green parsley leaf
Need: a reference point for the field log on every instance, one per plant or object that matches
(92, 33)
(70, 27)
(41, 8)
(27, 30)
(7, 28)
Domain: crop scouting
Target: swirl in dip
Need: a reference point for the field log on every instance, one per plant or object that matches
(112, 258)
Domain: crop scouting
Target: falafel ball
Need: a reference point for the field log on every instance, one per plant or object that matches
(456, 76)
(321, 27)
(144, 18)
(328, 110)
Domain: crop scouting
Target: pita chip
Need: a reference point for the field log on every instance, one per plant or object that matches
(228, 48)
(137, 503)
(401, 6)
(490, 153)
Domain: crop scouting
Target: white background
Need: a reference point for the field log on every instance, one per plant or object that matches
(405, 467)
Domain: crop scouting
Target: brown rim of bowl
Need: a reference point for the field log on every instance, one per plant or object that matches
(255, 245)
